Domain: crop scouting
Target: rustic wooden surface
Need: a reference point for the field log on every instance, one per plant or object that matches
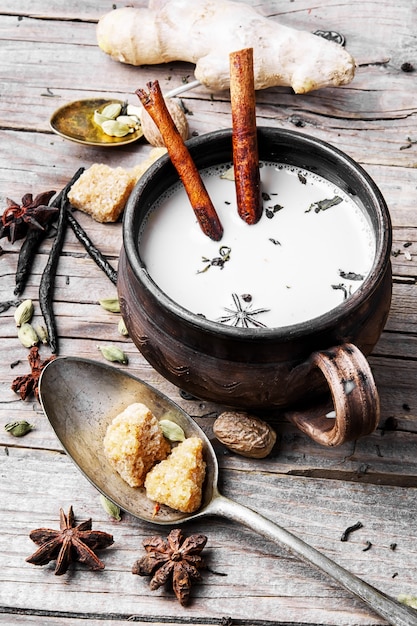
(49, 56)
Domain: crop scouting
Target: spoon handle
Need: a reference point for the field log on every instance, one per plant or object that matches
(395, 613)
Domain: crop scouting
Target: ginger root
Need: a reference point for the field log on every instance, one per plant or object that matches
(205, 32)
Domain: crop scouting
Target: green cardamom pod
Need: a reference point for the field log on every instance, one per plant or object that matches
(171, 430)
(110, 304)
(113, 128)
(18, 429)
(27, 335)
(112, 509)
(129, 120)
(408, 600)
(111, 353)
(42, 333)
(112, 110)
(24, 312)
(99, 118)
(122, 328)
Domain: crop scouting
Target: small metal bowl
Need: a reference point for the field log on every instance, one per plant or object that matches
(74, 121)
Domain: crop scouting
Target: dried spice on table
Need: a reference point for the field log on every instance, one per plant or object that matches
(28, 383)
(350, 529)
(24, 312)
(99, 259)
(19, 429)
(112, 509)
(114, 354)
(245, 434)
(27, 335)
(110, 304)
(31, 222)
(33, 213)
(47, 282)
(71, 543)
(35, 236)
(176, 559)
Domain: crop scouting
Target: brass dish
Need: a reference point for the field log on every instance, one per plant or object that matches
(74, 121)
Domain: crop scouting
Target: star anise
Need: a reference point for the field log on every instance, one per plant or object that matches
(70, 543)
(176, 559)
(28, 383)
(32, 213)
(243, 317)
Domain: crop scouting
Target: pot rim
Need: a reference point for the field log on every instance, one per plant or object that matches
(381, 224)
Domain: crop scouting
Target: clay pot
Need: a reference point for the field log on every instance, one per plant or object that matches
(266, 368)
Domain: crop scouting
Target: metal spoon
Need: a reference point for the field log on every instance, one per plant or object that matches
(80, 398)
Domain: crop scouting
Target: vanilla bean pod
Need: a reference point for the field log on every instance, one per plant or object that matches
(32, 241)
(27, 253)
(47, 282)
(94, 252)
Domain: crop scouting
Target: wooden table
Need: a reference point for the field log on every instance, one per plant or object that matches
(48, 57)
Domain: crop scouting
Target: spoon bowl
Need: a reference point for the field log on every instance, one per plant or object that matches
(80, 397)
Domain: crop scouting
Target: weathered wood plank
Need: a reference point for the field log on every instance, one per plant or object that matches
(58, 9)
(282, 583)
(56, 618)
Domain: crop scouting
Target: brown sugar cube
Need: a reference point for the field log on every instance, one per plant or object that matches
(134, 443)
(178, 481)
(102, 192)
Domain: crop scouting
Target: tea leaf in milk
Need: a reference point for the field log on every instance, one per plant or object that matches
(351, 275)
(271, 211)
(343, 288)
(218, 261)
(323, 205)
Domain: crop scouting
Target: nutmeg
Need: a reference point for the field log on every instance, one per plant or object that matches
(245, 434)
(150, 130)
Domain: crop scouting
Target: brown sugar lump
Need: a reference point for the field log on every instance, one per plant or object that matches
(178, 481)
(102, 192)
(134, 443)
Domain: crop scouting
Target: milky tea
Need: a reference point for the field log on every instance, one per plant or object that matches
(312, 248)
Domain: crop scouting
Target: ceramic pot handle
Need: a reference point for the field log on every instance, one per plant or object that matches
(355, 398)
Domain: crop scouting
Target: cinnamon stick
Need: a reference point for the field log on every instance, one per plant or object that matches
(200, 201)
(244, 137)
